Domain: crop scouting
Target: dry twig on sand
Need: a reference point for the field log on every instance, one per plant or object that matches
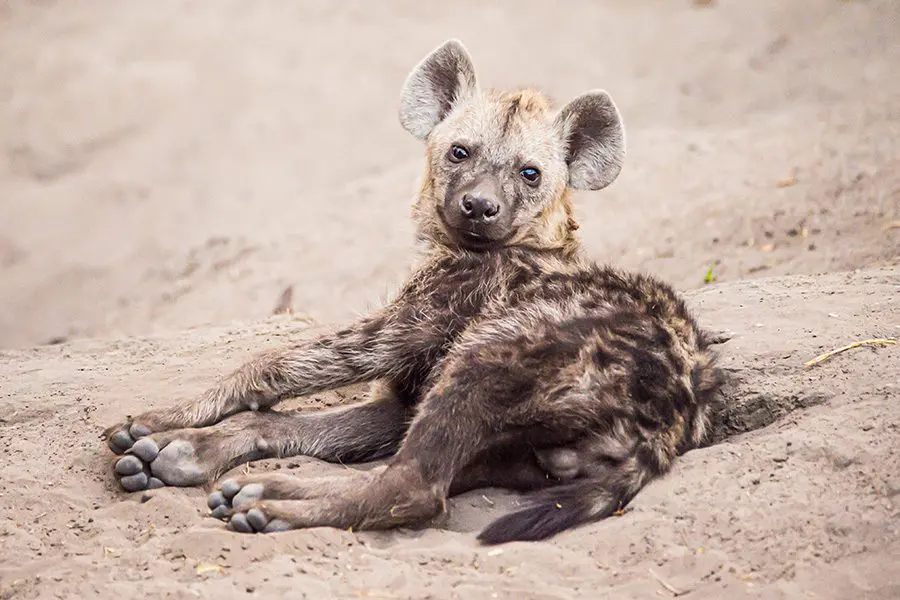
(827, 355)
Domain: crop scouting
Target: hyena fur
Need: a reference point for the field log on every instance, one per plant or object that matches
(507, 359)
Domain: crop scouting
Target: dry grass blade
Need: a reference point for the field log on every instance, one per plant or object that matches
(671, 588)
(836, 351)
(204, 568)
(786, 182)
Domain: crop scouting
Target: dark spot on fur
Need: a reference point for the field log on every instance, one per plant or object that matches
(512, 109)
(649, 459)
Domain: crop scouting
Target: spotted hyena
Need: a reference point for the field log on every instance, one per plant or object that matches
(507, 359)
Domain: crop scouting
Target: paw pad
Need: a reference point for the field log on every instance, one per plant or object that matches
(229, 499)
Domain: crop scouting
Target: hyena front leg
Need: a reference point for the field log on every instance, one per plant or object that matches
(188, 457)
(374, 348)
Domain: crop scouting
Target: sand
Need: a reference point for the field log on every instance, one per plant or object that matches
(171, 172)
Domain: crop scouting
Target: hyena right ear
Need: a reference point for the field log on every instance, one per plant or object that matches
(434, 86)
(595, 140)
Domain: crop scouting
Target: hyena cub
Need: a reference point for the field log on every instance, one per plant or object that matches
(506, 360)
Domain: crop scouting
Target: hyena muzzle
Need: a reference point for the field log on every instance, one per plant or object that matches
(506, 360)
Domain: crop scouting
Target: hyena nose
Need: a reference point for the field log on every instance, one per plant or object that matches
(479, 208)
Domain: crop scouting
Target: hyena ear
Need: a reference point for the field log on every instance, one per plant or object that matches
(431, 89)
(595, 140)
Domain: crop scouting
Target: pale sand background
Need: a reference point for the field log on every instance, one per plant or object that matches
(168, 169)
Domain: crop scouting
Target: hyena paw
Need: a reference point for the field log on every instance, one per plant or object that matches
(122, 437)
(232, 495)
(157, 460)
(254, 519)
(239, 505)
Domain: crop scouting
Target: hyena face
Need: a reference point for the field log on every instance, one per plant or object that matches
(499, 164)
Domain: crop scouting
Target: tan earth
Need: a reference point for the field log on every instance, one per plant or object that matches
(173, 171)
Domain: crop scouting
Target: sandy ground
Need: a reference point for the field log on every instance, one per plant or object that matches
(169, 170)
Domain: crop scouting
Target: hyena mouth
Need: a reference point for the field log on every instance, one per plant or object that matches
(474, 240)
(474, 236)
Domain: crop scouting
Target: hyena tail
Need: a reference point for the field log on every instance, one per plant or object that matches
(555, 509)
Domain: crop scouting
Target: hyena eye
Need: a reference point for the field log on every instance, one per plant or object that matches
(458, 154)
(531, 175)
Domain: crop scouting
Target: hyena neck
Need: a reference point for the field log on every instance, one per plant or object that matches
(499, 269)
(553, 258)
(553, 231)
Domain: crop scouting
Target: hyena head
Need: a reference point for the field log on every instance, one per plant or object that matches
(499, 164)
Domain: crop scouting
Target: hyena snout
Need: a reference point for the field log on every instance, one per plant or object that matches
(479, 207)
(480, 202)
(477, 213)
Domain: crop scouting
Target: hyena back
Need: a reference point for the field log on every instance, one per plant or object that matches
(507, 359)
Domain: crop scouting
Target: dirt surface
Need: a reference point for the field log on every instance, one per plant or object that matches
(169, 170)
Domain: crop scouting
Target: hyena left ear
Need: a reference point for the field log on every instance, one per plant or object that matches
(434, 86)
(595, 140)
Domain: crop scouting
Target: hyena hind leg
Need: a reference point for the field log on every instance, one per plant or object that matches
(237, 499)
